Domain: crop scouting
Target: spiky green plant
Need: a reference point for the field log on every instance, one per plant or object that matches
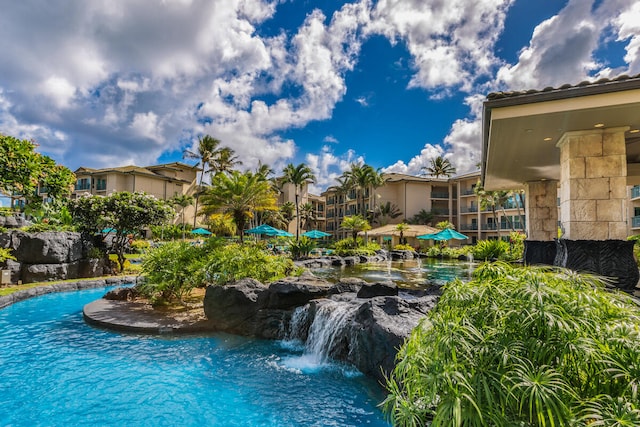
(521, 346)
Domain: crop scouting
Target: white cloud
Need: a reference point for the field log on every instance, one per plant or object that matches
(331, 139)
(451, 42)
(628, 23)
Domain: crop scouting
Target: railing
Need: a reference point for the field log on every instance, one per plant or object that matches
(468, 227)
(468, 192)
(469, 209)
(440, 212)
(635, 191)
(83, 186)
(439, 195)
(635, 222)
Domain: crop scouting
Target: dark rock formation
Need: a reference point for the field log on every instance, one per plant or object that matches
(609, 258)
(539, 252)
(402, 254)
(378, 289)
(49, 256)
(362, 324)
(122, 294)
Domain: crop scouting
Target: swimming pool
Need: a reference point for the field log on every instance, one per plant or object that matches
(58, 371)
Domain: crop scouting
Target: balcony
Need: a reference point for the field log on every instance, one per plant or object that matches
(635, 222)
(469, 227)
(635, 192)
(440, 212)
(468, 192)
(471, 209)
(437, 195)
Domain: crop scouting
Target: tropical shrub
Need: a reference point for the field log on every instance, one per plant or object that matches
(490, 249)
(237, 261)
(172, 270)
(351, 247)
(169, 231)
(5, 254)
(403, 248)
(140, 246)
(521, 346)
(301, 248)
(516, 246)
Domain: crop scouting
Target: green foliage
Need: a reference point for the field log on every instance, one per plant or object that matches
(5, 254)
(23, 170)
(490, 249)
(403, 248)
(169, 231)
(443, 225)
(126, 213)
(355, 224)
(172, 270)
(516, 246)
(301, 247)
(350, 247)
(95, 253)
(3, 229)
(448, 252)
(140, 246)
(521, 346)
(236, 261)
(239, 195)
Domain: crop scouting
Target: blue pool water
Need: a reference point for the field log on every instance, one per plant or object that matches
(57, 371)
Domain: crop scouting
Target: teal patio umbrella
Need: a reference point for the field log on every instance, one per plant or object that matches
(200, 231)
(268, 230)
(446, 234)
(316, 234)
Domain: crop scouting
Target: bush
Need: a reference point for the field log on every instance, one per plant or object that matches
(140, 246)
(170, 231)
(490, 249)
(95, 253)
(172, 269)
(403, 248)
(237, 261)
(301, 248)
(521, 346)
(5, 254)
(347, 247)
(44, 226)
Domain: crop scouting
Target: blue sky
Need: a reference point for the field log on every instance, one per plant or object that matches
(392, 83)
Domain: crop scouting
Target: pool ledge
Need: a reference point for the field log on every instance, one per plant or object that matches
(138, 317)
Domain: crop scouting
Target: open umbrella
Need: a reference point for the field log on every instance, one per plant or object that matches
(109, 230)
(316, 234)
(268, 231)
(200, 231)
(446, 234)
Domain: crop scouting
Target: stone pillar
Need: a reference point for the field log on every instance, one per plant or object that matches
(541, 211)
(593, 178)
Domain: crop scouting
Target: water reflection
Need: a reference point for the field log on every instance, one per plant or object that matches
(415, 273)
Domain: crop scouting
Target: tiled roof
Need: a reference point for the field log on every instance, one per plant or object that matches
(549, 89)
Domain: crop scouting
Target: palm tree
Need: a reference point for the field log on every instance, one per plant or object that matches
(355, 224)
(440, 167)
(423, 217)
(402, 227)
(491, 200)
(224, 160)
(207, 149)
(298, 176)
(238, 194)
(386, 211)
(307, 215)
(264, 170)
(361, 177)
(378, 180)
(182, 200)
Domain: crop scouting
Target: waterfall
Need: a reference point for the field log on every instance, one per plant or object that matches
(322, 329)
(327, 329)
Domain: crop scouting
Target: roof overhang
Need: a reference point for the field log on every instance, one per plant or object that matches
(520, 133)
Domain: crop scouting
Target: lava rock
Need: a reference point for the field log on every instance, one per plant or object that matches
(378, 289)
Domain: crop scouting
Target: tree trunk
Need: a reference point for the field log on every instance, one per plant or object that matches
(297, 217)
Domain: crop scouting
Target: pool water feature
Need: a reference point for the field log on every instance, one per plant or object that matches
(413, 273)
(58, 371)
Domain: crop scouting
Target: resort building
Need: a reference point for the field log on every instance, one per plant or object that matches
(585, 140)
(163, 181)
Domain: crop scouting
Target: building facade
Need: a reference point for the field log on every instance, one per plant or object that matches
(163, 181)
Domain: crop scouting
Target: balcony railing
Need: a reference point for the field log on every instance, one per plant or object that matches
(470, 209)
(635, 222)
(436, 195)
(635, 191)
(468, 192)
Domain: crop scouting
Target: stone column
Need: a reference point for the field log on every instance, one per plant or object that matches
(593, 178)
(541, 212)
